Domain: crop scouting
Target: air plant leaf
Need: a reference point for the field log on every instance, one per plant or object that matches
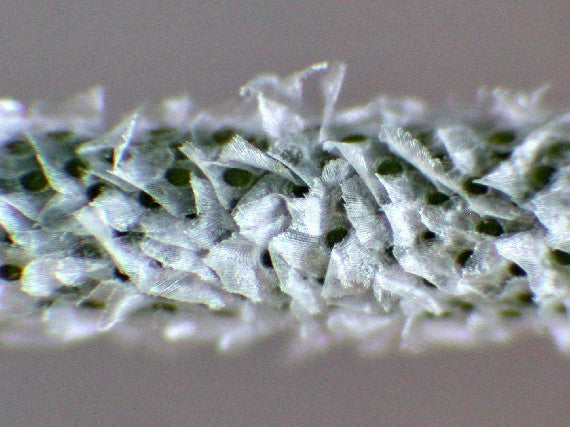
(387, 224)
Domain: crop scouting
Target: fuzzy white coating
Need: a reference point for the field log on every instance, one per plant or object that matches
(388, 224)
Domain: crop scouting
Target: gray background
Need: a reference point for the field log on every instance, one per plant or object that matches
(144, 50)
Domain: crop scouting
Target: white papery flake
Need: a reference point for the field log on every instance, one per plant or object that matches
(389, 224)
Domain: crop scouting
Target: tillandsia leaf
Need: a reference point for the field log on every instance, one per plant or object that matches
(390, 224)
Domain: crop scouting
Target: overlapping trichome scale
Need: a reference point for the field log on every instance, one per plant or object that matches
(552, 208)
(382, 222)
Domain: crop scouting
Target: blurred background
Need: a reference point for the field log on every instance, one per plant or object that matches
(145, 50)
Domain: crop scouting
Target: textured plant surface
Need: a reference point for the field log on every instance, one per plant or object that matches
(390, 225)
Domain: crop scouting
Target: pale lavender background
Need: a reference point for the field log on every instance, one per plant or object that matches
(143, 50)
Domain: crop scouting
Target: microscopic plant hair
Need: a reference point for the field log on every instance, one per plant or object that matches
(390, 225)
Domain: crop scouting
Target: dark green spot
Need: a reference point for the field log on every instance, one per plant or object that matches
(428, 235)
(45, 302)
(161, 132)
(300, 190)
(474, 188)
(335, 236)
(389, 167)
(60, 136)
(436, 198)
(463, 257)
(540, 176)
(461, 304)
(147, 200)
(178, 154)
(225, 312)
(233, 203)
(424, 137)
(489, 226)
(72, 291)
(223, 136)
(178, 177)
(516, 270)
(389, 251)
(441, 156)
(129, 236)
(432, 315)
(354, 138)
(559, 308)
(524, 298)
(94, 191)
(560, 257)
(266, 259)
(341, 205)
(19, 148)
(164, 306)
(5, 237)
(509, 313)
(10, 272)
(502, 137)
(556, 151)
(108, 155)
(88, 250)
(500, 155)
(76, 167)
(120, 275)
(156, 263)
(261, 143)
(92, 304)
(238, 178)
(34, 181)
